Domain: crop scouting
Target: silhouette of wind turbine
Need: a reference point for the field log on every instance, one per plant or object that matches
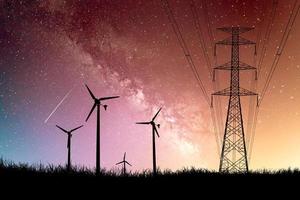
(97, 103)
(124, 162)
(69, 143)
(154, 131)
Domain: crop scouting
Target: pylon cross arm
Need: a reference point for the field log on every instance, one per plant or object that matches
(239, 29)
(240, 41)
(228, 66)
(229, 92)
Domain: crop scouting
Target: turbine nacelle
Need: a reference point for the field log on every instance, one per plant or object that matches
(69, 134)
(70, 131)
(124, 161)
(97, 102)
(152, 123)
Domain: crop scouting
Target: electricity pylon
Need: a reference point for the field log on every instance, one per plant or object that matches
(234, 153)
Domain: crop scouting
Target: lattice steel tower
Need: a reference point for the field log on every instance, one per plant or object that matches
(234, 153)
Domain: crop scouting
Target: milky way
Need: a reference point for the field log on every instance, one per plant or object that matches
(128, 48)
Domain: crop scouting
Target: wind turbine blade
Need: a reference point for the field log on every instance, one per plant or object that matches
(106, 98)
(156, 114)
(155, 130)
(61, 129)
(119, 163)
(76, 128)
(128, 163)
(124, 156)
(92, 95)
(142, 122)
(93, 108)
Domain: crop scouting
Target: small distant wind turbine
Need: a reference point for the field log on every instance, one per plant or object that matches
(154, 131)
(97, 102)
(124, 162)
(69, 143)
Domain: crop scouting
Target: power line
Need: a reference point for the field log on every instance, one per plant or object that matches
(280, 49)
(219, 107)
(216, 86)
(259, 34)
(216, 111)
(251, 142)
(206, 18)
(270, 76)
(216, 83)
(251, 110)
(204, 49)
(253, 84)
(267, 36)
(184, 47)
(200, 37)
(218, 139)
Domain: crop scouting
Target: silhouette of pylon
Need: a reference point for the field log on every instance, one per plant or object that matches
(234, 153)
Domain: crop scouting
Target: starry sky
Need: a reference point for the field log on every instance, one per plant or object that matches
(52, 48)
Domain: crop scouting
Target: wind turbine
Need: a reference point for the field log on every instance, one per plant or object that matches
(124, 162)
(154, 131)
(97, 103)
(69, 143)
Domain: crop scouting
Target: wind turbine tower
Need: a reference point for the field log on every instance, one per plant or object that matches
(124, 162)
(97, 103)
(154, 132)
(69, 143)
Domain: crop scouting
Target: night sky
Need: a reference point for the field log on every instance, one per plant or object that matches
(52, 48)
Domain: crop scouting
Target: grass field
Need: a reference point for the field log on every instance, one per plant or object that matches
(12, 169)
(186, 181)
